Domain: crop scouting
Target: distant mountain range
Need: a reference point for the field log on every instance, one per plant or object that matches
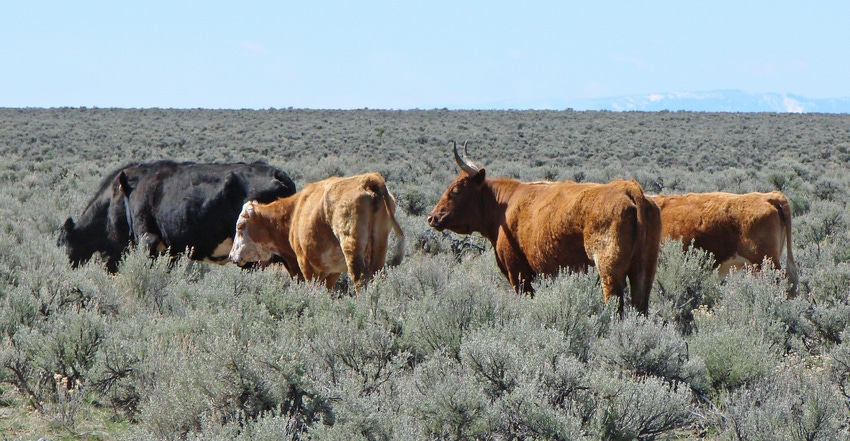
(713, 101)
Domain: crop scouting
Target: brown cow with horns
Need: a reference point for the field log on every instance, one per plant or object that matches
(537, 228)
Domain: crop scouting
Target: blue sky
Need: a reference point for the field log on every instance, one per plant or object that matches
(404, 54)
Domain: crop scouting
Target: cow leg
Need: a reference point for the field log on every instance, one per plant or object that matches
(519, 280)
(640, 284)
(112, 262)
(612, 271)
(355, 261)
(642, 275)
(147, 234)
(293, 268)
(354, 243)
(331, 279)
(613, 264)
(645, 259)
(152, 244)
(515, 267)
(377, 250)
(308, 272)
(358, 270)
(613, 286)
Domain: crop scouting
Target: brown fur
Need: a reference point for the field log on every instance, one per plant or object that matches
(538, 228)
(752, 226)
(329, 227)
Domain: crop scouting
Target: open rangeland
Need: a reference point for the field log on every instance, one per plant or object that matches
(440, 346)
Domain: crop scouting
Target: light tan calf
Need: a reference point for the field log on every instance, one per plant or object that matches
(327, 228)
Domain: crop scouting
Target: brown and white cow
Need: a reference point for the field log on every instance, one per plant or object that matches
(738, 229)
(328, 228)
(537, 228)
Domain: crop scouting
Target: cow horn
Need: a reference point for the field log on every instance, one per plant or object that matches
(464, 163)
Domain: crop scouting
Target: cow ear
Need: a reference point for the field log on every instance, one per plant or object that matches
(124, 184)
(284, 180)
(232, 180)
(68, 225)
(479, 177)
(249, 209)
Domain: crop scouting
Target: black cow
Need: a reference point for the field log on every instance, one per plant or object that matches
(173, 205)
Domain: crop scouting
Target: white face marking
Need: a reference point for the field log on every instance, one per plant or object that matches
(245, 250)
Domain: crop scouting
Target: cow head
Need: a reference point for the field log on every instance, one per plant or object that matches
(460, 209)
(77, 247)
(248, 244)
(81, 244)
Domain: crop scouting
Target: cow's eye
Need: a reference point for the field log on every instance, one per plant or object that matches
(455, 191)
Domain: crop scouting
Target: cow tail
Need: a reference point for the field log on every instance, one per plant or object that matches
(390, 203)
(647, 243)
(784, 209)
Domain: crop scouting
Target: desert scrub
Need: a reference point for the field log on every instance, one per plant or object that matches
(788, 405)
(838, 363)
(525, 417)
(826, 286)
(223, 366)
(572, 304)
(447, 402)
(633, 408)
(526, 371)
(439, 320)
(745, 337)
(759, 301)
(440, 346)
(645, 347)
(508, 355)
(685, 281)
(734, 358)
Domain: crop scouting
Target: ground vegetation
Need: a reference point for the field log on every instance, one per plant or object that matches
(438, 347)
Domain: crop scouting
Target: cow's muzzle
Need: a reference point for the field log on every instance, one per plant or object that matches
(436, 220)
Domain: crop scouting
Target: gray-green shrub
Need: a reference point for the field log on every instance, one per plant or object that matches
(644, 347)
(572, 304)
(194, 351)
(790, 405)
(684, 282)
(632, 408)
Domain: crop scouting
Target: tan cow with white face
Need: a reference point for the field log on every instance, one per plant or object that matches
(739, 229)
(327, 228)
(538, 228)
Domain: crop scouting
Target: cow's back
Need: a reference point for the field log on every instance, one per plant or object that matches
(729, 226)
(330, 205)
(565, 224)
(341, 225)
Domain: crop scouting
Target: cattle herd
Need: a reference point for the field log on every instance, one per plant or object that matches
(251, 214)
